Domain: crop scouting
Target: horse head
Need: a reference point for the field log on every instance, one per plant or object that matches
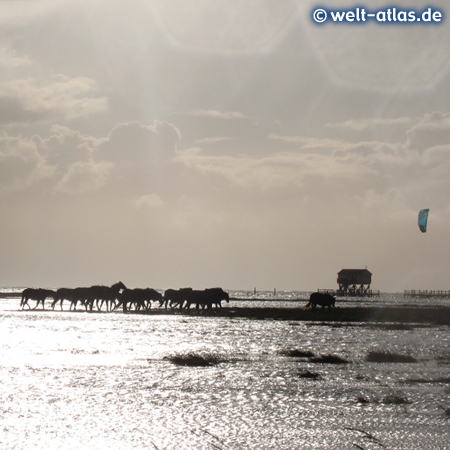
(118, 286)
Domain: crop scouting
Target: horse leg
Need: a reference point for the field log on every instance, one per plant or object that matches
(24, 302)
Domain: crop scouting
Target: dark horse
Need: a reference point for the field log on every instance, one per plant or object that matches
(207, 298)
(62, 294)
(140, 298)
(104, 295)
(174, 298)
(317, 298)
(39, 295)
(88, 295)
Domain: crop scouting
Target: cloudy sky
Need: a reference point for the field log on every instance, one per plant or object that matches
(229, 143)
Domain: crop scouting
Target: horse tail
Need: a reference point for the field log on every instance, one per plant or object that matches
(307, 305)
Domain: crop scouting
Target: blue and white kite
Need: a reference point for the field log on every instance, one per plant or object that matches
(423, 219)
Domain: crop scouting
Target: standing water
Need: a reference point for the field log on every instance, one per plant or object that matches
(77, 380)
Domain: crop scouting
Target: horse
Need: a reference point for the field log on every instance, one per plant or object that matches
(175, 298)
(215, 297)
(140, 298)
(82, 295)
(62, 294)
(35, 294)
(105, 294)
(207, 298)
(317, 298)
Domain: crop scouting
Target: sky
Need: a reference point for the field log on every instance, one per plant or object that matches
(167, 143)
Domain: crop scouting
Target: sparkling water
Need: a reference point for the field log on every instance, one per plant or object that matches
(78, 380)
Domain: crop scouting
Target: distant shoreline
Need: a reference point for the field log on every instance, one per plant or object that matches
(407, 315)
(10, 294)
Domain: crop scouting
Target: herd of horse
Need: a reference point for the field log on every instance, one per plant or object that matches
(118, 296)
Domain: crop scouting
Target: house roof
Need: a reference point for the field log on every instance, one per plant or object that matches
(355, 271)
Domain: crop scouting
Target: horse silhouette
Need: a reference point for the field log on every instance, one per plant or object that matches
(317, 298)
(39, 295)
(82, 295)
(174, 298)
(104, 295)
(87, 296)
(62, 294)
(207, 298)
(140, 298)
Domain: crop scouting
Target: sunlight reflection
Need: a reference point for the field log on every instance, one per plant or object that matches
(225, 26)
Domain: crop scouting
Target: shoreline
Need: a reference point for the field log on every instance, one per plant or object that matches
(403, 314)
(433, 316)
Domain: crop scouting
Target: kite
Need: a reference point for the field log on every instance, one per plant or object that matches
(423, 219)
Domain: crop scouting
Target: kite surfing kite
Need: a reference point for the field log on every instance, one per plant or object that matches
(423, 219)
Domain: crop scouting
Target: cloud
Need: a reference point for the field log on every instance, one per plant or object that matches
(83, 177)
(10, 59)
(148, 201)
(310, 143)
(21, 165)
(213, 140)
(338, 173)
(135, 144)
(15, 111)
(128, 160)
(278, 170)
(224, 115)
(65, 146)
(432, 130)
(367, 124)
(62, 98)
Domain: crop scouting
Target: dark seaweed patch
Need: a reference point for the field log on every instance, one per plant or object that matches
(387, 357)
(195, 360)
(309, 375)
(330, 359)
(395, 399)
(363, 399)
(389, 399)
(297, 353)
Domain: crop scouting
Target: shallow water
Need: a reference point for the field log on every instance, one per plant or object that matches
(103, 381)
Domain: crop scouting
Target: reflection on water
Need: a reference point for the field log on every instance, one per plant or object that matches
(103, 381)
